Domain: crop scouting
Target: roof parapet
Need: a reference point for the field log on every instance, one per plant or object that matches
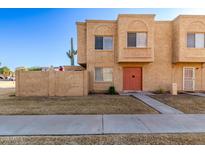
(96, 21)
(136, 15)
(187, 16)
(80, 23)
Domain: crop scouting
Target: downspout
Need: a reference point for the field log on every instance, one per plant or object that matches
(203, 76)
(83, 83)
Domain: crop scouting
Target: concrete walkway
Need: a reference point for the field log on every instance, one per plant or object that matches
(160, 107)
(101, 124)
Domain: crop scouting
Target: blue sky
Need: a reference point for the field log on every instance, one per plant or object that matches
(40, 37)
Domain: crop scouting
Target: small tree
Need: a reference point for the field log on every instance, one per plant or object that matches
(71, 53)
(5, 71)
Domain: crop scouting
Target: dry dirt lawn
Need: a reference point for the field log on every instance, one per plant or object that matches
(129, 139)
(183, 102)
(92, 104)
(99, 104)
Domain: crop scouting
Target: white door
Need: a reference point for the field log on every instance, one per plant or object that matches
(189, 79)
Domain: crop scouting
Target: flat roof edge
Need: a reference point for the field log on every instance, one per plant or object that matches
(136, 15)
(187, 15)
(80, 23)
(109, 21)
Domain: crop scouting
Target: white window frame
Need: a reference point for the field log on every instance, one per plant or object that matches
(195, 40)
(198, 41)
(103, 80)
(103, 42)
(194, 77)
(138, 47)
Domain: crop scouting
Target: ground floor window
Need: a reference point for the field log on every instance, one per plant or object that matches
(103, 74)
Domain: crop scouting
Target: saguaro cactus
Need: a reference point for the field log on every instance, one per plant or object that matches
(71, 52)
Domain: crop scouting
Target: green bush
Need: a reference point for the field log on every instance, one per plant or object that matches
(111, 90)
(4, 70)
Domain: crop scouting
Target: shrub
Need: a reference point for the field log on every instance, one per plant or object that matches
(111, 90)
(4, 70)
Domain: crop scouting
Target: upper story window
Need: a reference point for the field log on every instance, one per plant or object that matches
(195, 40)
(137, 40)
(103, 43)
(103, 74)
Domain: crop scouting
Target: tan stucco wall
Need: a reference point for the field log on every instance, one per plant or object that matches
(51, 83)
(81, 37)
(73, 68)
(182, 25)
(166, 47)
(158, 73)
(178, 75)
(97, 58)
(135, 23)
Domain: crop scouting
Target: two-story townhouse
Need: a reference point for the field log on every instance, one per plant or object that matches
(136, 52)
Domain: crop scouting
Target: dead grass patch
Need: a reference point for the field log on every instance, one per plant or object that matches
(92, 104)
(186, 103)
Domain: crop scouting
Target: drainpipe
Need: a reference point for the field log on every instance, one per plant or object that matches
(203, 76)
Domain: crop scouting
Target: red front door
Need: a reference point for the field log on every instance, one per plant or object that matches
(132, 78)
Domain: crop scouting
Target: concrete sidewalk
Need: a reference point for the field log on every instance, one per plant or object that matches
(101, 124)
(7, 84)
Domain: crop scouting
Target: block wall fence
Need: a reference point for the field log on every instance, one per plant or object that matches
(51, 83)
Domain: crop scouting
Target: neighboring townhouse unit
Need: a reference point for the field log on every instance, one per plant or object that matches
(136, 52)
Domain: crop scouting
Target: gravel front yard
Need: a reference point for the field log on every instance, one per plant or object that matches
(183, 102)
(92, 104)
(109, 139)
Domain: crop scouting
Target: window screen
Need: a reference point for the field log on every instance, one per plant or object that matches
(131, 39)
(103, 74)
(99, 42)
(107, 43)
(195, 40)
(141, 40)
(199, 40)
(103, 43)
(191, 40)
(138, 40)
(107, 74)
(98, 74)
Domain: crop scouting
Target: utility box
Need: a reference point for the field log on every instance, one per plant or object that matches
(174, 89)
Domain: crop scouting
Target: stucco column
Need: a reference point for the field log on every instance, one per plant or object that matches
(85, 83)
(17, 88)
